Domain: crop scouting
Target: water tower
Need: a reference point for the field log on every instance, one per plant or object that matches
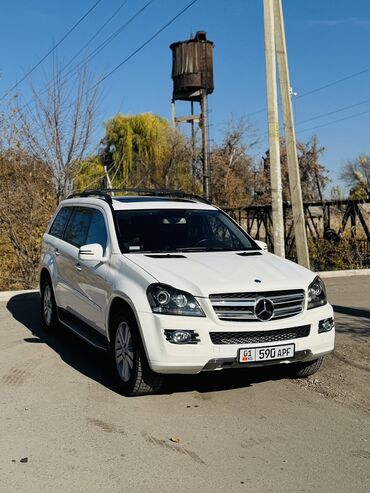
(192, 75)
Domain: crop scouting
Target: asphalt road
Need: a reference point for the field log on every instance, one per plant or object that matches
(64, 428)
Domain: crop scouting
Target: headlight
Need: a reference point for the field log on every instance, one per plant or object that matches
(170, 301)
(316, 293)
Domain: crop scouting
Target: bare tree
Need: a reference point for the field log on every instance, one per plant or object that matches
(42, 146)
(313, 174)
(232, 166)
(57, 127)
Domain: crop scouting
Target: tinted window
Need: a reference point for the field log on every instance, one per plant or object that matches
(97, 232)
(60, 222)
(78, 226)
(180, 230)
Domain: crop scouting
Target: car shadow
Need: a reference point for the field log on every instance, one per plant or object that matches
(95, 365)
(25, 308)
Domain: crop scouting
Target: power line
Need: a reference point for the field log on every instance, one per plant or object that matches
(322, 115)
(144, 44)
(51, 50)
(330, 84)
(97, 32)
(335, 121)
(320, 88)
(96, 51)
(334, 112)
(182, 11)
(108, 40)
(338, 120)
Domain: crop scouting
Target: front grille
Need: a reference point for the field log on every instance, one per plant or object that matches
(239, 307)
(260, 336)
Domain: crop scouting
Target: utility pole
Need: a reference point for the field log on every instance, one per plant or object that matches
(290, 139)
(273, 129)
(205, 145)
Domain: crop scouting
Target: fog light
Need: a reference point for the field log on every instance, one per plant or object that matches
(326, 325)
(182, 336)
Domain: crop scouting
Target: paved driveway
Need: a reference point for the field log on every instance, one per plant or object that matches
(64, 428)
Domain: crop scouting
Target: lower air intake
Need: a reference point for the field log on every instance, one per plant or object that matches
(260, 336)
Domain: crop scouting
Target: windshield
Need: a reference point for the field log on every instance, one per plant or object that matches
(173, 230)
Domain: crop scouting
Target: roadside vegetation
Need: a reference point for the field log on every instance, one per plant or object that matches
(49, 148)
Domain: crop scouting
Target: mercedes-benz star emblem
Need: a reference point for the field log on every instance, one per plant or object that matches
(264, 309)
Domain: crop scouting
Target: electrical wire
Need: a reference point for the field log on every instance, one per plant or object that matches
(51, 50)
(331, 122)
(334, 121)
(320, 88)
(74, 70)
(96, 34)
(108, 40)
(344, 108)
(135, 52)
(330, 84)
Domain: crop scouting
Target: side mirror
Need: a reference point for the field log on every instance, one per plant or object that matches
(262, 245)
(93, 252)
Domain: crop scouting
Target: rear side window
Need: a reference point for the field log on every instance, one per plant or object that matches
(97, 232)
(60, 222)
(78, 226)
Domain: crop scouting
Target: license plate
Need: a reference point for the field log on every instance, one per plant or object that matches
(266, 353)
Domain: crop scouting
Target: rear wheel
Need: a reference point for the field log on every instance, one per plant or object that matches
(304, 370)
(49, 315)
(129, 361)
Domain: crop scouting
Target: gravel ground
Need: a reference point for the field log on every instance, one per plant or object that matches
(345, 376)
(65, 428)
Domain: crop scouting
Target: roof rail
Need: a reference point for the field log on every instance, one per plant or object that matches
(92, 193)
(104, 193)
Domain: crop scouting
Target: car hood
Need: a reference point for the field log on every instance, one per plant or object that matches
(204, 273)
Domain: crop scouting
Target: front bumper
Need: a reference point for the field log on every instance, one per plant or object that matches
(166, 357)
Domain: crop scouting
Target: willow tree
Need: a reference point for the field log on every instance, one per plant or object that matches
(142, 150)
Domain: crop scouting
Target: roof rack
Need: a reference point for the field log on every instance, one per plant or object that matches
(92, 193)
(104, 193)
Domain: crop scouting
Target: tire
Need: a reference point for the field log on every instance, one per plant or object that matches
(129, 360)
(49, 315)
(304, 370)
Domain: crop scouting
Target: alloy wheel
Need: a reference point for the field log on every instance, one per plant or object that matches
(124, 352)
(47, 305)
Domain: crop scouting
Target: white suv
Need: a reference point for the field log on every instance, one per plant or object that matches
(167, 283)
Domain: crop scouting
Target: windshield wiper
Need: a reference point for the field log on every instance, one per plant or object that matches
(205, 249)
(192, 249)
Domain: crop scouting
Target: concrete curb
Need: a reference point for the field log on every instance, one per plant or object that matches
(7, 295)
(344, 273)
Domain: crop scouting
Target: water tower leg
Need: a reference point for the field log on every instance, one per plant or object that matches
(192, 148)
(173, 114)
(205, 146)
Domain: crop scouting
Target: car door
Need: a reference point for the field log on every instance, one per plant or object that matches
(74, 237)
(91, 275)
(87, 278)
(55, 247)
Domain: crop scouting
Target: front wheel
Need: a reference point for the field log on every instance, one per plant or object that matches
(304, 370)
(129, 360)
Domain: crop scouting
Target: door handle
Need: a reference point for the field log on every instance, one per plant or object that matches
(78, 266)
(57, 252)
